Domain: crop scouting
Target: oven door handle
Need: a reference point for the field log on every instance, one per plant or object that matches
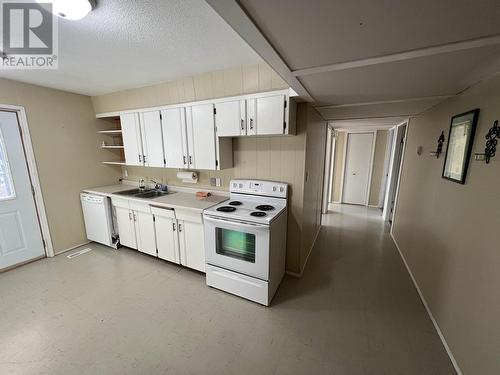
(234, 221)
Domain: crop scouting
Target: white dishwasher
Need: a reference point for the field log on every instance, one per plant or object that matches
(98, 218)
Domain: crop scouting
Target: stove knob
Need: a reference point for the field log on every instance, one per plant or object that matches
(241, 186)
(274, 188)
(282, 189)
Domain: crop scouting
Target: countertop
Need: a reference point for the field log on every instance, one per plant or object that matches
(176, 199)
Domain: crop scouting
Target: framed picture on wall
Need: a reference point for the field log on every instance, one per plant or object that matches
(459, 149)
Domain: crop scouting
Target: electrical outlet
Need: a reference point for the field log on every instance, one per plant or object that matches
(215, 181)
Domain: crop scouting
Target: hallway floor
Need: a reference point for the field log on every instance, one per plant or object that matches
(354, 311)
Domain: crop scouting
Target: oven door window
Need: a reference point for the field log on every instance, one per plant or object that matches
(235, 244)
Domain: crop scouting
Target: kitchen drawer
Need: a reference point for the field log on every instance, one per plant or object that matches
(194, 216)
(235, 283)
(120, 202)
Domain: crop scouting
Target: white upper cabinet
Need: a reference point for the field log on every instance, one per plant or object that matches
(152, 142)
(201, 137)
(174, 138)
(231, 118)
(132, 142)
(265, 115)
(270, 115)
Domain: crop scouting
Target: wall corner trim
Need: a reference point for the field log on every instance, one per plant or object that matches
(299, 274)
(429, 312)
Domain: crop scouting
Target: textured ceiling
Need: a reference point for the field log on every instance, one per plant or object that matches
(127, 43)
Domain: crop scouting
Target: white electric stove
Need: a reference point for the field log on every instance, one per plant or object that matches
(245, 240)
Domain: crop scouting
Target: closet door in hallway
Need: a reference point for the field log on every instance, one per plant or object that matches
(358, 165)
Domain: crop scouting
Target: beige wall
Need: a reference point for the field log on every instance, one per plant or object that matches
(449, 233)
(243, 79)
(378, 167)
(66, 144)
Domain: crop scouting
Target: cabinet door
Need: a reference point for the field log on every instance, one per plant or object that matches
(166, 239)
(191, 245)
(174, 137)
(251, 116)
(201, 135)
(270, 115)
(145, 232)
(126, 230)
(152, 140)
(230, 118)
(131, 135)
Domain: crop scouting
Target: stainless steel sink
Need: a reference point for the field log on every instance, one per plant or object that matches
(134, 191)
(152, 194)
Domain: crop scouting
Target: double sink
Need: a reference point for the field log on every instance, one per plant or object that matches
(143, 193)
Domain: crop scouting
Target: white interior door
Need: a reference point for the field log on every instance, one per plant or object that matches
(152, 141)
(358, 162)
(174, 137)
(131, 135)
(20, 235)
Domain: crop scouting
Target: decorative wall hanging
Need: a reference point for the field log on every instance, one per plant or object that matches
(439, 149)
(459, 149)
(491, 141)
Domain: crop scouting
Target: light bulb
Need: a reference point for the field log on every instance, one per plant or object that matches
(70, 9)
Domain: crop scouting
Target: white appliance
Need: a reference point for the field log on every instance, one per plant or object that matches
(245, 240)
(97, 214)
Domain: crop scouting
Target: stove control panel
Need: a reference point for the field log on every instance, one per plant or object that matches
(259, 187)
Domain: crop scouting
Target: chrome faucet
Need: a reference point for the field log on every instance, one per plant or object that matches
(142, 184)
(158, 185)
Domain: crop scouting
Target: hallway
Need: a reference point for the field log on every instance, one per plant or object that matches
(357, 289)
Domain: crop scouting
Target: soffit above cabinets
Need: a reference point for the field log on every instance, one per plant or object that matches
(373, 54)
(126, 44)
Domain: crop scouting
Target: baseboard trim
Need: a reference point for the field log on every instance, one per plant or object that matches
(429, 312)
(22, 263)
(72, 248)
(298, 275)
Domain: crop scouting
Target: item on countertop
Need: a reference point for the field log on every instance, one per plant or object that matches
(203, 194)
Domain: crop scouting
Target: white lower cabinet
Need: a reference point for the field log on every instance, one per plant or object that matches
(167, 240)
(175, 236)
(191, 245)
(144, 228)
(136, 225)
(125, 225)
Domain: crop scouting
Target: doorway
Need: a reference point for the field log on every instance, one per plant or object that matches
(20, 231)
(398, 147)
(358, 167)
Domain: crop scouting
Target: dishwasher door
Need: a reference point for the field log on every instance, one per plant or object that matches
(97, 215)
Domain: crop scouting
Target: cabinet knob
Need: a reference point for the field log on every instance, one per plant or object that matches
(184, 158)
(251, 123)
(190, 159)
(140, 158)
(242, 124)
(180, 228)
(173, 227)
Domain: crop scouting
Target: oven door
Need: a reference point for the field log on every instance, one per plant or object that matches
(237, 246)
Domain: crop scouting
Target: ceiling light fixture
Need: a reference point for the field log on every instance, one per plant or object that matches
(71, 9)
